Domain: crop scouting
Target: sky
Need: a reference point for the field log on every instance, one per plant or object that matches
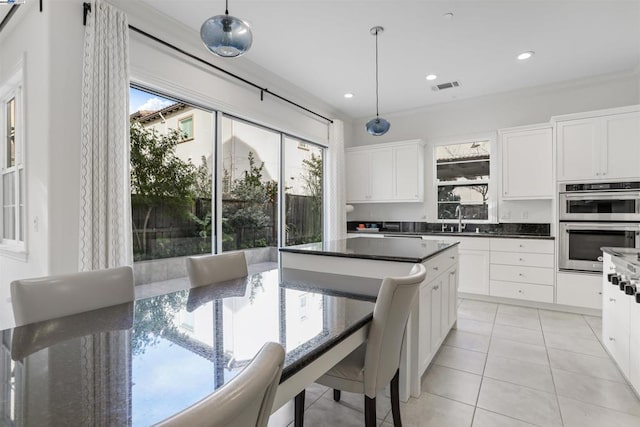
(141, 100)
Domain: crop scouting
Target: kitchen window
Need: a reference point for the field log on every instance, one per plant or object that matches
(463, 178)
(12, 170)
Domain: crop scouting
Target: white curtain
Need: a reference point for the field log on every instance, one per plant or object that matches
(105, 211)
(336, 225)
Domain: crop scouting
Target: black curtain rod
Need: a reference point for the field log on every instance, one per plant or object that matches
(263, 90)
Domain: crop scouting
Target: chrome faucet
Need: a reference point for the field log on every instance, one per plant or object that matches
(458, 213)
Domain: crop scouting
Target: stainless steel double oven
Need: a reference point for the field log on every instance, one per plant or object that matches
(594, 215)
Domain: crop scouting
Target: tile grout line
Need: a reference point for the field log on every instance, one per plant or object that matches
(484, 368)
(553, 380)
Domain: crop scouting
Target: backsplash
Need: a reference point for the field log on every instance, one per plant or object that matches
(430, 227)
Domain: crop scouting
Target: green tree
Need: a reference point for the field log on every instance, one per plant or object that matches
(313, 185)
(158, 176)
(248, 210)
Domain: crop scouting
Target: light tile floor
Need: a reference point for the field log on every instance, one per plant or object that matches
(504, 366)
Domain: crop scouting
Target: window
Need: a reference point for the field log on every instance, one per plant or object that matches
(171, 183)
(463, 179)
(12, 175)
(303, 189)
(186, 128)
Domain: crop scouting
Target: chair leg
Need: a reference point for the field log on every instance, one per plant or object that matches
(369, 411)
(395, 399)
(298, 410)
(336, 395)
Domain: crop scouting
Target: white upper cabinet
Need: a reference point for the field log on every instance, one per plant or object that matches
(600, 147)
(621, 146)
(385, 173)
(527, 163)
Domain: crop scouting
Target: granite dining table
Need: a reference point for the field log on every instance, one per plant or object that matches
(138, 363)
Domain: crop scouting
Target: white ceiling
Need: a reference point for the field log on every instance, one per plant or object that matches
(325, 47)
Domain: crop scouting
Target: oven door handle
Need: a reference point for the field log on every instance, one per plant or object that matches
(602, 196)
(587, 226)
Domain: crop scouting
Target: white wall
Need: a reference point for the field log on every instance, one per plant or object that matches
(25, 38)
(460, 119)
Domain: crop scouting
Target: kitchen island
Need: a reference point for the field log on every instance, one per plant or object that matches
(359, 265)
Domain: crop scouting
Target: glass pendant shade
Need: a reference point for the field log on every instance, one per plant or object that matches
(377, 126)
(226, 35)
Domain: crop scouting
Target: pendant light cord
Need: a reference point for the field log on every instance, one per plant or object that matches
(377, 111)
(226, 7)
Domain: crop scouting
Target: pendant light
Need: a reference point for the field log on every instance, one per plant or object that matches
(226, 35)
(377, 126)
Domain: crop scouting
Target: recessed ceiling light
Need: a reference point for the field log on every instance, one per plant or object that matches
(525, 55)
(431, 77)
(348, 95)
(448, 15)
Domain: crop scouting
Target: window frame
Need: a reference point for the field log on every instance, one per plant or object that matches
(492, 182)
(193, 129)
(13, 88)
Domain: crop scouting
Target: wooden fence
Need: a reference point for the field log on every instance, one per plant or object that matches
(185, 229)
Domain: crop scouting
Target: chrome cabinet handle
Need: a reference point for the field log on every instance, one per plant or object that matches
(600, 293)
(520, 291)
(521, 260)
(611, 339)
(452, 257)
(612, 300)
(435, 288)
(435, 268)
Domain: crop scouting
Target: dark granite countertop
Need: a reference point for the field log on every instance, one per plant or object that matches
(464, 234)
(421, 228)
(136, 364)
(398, 249)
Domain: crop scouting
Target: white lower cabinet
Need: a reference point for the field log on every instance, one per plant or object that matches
(522, 269)
(634, 346)
(437, 311)
(620, 327)
(474, 271)
(579, 290)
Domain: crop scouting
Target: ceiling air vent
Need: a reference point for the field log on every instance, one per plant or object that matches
(443, 86)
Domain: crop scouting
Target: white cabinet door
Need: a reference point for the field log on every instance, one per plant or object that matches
(424, 325)
(634, 346)
(408, 162)
(621, 146)
(474, 272)
(444, 304)
(436, 309)
(452, 277)
(381, 175)
(357, 176)
(578, 149)
(527, 164)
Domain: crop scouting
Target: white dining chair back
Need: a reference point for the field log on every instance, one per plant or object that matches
(373, 365)
(206, 270)
(387, 330)
(245, 401)
(46, 298)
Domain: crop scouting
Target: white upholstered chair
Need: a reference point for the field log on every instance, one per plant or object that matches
(209, 269)
(374, 364)
(45, 298)
(245, 401)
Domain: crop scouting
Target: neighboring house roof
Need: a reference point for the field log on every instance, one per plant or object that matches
(150, 116)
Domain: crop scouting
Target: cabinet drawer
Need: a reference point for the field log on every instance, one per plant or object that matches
(441, 263)
(522, 245)
(522, 259)
(511, 273)
(524, 291)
